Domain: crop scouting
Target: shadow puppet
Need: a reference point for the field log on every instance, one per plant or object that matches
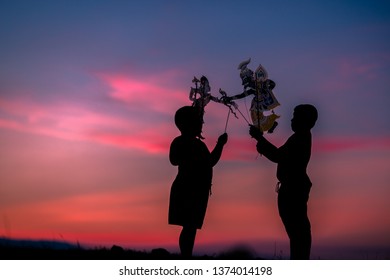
(192, 186)
(294, 184)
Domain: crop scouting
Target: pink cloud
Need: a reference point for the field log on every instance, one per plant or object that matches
(77, 123)
(152, 93)
(65, 116)
(145, 130)
(80, 123)
(154, 144)
(336, 144)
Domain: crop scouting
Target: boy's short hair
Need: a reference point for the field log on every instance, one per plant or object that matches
(309, 113)
(185, 116)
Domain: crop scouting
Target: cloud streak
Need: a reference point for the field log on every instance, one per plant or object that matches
(77, 123)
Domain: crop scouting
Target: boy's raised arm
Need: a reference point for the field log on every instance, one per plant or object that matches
(263, 146)
(217, 152)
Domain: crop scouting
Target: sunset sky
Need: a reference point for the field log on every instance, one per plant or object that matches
(88, 91)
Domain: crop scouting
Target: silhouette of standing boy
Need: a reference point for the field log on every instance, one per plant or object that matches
(192, 186)
(294, 183)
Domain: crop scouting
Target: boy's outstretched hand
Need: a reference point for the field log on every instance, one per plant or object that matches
(222, 139)
(255, 132)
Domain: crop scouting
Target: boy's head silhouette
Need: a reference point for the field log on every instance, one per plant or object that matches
(188, 121)
(304, 117)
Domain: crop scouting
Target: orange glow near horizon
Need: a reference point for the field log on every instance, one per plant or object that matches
(241, 209)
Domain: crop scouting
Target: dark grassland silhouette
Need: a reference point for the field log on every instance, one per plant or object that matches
(56, 250)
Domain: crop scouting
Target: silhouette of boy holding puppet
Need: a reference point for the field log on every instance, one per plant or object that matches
(192, 186)
(294, 184)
